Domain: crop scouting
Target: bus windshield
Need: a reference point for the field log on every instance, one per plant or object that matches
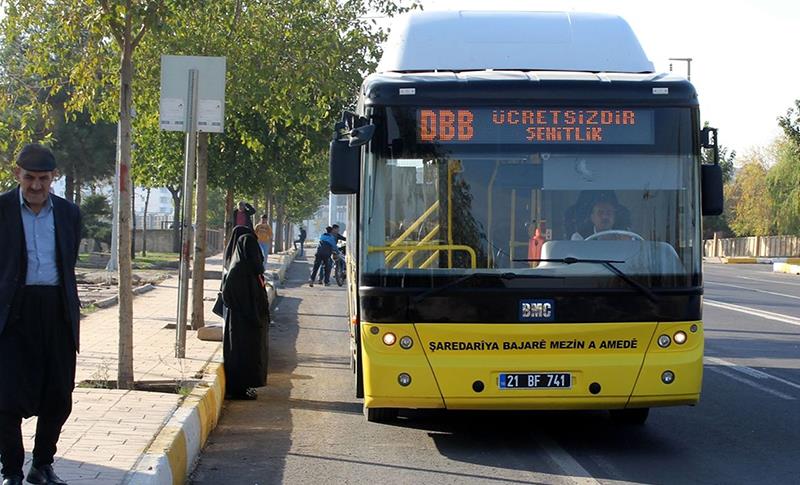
(439, 209)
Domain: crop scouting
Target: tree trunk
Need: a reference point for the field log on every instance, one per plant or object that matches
(125, 288)
(270, 206)
(77, 191)
(144, 223)
(176, 218)
(201, 220)
(69, 188)
(228, 216)
(133, 217)
(279, 214)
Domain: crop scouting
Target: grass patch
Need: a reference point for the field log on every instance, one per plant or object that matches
(89, 309)
(156, 260)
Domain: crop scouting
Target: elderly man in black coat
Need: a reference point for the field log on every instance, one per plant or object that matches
(39, 315)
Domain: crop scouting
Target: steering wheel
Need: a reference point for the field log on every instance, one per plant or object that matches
(619, 232)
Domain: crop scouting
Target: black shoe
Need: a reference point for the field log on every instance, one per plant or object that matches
(246, 395)
(12, 480)
(44, 476)
(311, 283)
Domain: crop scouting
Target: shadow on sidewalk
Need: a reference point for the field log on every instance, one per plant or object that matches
(253, 438)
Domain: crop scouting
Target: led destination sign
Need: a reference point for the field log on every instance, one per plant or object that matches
(536, 126)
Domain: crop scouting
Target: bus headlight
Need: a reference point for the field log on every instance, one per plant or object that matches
(406, 342)
(679, 337)
(663, 341)
(389, 338)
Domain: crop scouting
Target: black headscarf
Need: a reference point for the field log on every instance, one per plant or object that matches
(242, 280)
(235, 234)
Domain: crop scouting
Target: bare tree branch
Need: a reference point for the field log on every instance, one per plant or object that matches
(116, 27)
(150, 17)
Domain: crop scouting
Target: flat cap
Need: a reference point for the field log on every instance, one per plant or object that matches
(36, 158)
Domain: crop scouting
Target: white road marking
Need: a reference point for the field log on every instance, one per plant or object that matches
(573, 470)
(777, 281)
(750, 371)
(720, 370)
(778, 317)
(754, 289)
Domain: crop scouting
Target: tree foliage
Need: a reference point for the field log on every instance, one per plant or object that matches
(750, 209)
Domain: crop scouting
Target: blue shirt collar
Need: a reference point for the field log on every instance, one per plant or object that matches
(24, 204)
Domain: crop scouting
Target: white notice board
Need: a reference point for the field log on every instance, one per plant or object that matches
(210, 92)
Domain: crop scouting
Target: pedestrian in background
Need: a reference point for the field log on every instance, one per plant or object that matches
(322, 258)
(301, 238)
(39, 315)
(263, 231)
(242, 215)
(246, 318)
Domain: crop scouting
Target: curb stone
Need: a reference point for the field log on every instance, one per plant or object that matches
(111, 301)
(171, 457)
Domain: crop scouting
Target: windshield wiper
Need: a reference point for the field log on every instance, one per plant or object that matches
(608, 263)
(467, 277)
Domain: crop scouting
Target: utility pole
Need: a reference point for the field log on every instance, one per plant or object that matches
(688, 61)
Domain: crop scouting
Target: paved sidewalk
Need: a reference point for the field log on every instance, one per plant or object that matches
(109, 429)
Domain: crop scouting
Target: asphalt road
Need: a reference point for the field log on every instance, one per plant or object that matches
(307, 427)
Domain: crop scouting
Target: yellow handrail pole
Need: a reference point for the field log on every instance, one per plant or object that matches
(513, 227)
(410, 254)
(413, 227)
(429, 247)
(489, 216)
(450, 212)
(430, 260)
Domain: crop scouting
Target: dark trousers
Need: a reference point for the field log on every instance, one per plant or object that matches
(325, 263)
(37, 376)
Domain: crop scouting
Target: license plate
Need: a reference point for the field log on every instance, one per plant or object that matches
(535, 380)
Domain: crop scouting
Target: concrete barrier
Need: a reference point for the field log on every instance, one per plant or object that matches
(747, 260)
(786, 268)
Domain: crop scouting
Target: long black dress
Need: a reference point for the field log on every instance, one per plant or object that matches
(247, 320)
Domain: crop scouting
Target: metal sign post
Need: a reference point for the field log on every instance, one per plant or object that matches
(186, 224)
(201, 109)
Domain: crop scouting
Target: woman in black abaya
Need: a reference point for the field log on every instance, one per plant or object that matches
(247, 317)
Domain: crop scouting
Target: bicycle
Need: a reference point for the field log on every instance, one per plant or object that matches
(339, 267)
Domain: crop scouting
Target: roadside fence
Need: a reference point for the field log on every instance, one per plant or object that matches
(753, 247)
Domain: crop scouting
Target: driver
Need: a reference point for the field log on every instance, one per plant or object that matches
(602, 217)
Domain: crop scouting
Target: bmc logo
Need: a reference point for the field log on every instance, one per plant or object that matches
(537, 310)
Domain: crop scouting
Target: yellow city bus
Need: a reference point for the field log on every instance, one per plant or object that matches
(524, 233)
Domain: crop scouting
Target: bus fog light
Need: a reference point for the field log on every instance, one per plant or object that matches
(664, 341)
(667, 377)
(693, 328)
(389, 338)
(679, 337)
(374, 330)
(404, 379)
(406, 342)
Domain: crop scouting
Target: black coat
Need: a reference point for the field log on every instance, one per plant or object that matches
(14, 261)
(247, 320)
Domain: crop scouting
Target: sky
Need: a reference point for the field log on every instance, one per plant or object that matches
(744, 53)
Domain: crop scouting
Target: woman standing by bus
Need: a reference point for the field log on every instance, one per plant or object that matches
(247, 318)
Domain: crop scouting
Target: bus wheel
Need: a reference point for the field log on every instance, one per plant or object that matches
(380, 415)
(636, 416)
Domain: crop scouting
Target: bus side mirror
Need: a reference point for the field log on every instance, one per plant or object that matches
(711, 189)
(349, 135)
(344, 167)
(711, 175)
